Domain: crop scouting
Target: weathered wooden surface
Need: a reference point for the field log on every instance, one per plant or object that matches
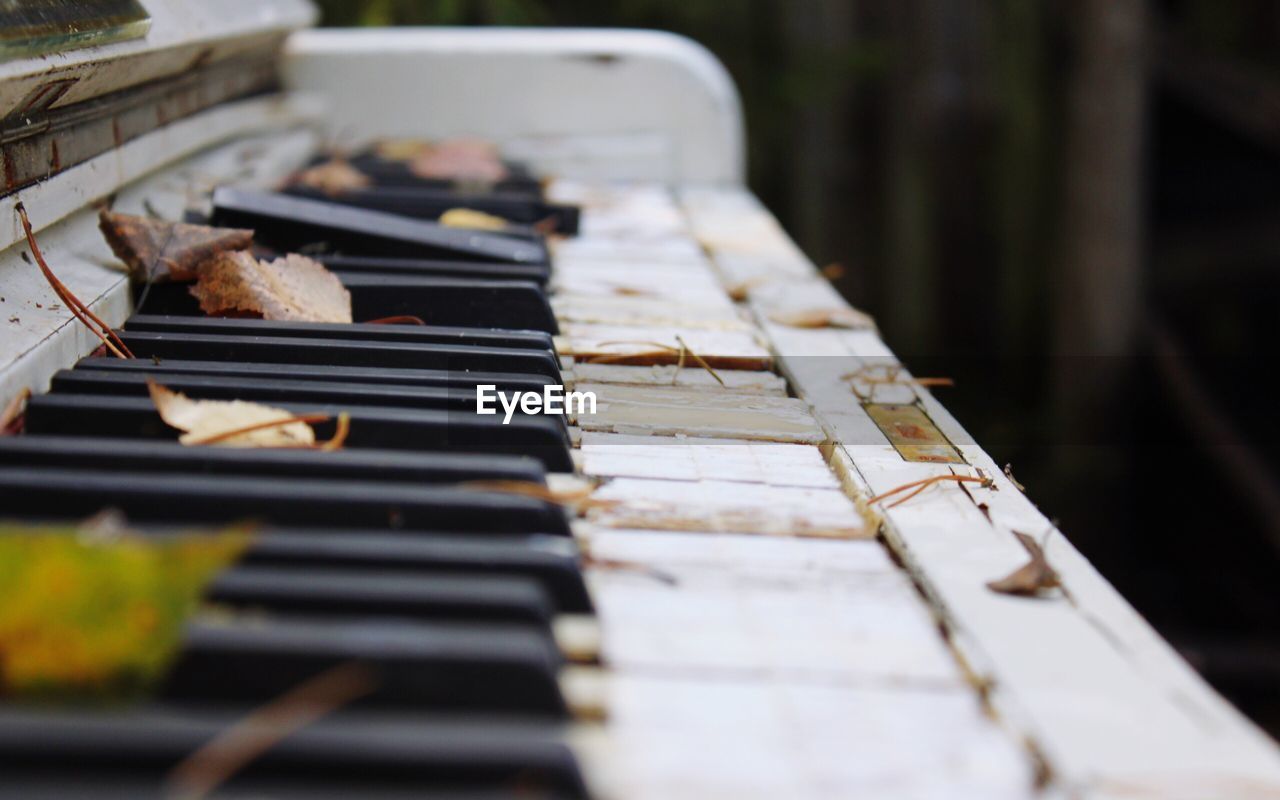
(743, 665)
(1113, 711)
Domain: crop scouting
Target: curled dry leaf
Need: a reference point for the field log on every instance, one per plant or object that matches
(333, 177)
(208, 421)
(822, 318)
(470, 218)
(290, 288)
(465, 160)
(1031, 578)
(156, 251)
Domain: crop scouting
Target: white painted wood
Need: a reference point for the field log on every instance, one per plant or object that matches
(687, 458)
(729, 630)
(727, 507)
(601, 103)
(648, 312)
(1111, 707)
(736, 380)
(74, 189)
(671, 411)
(660, 345)
(715, 736)
(183, 32)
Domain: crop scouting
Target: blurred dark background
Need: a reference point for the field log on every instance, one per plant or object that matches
(1071, 207)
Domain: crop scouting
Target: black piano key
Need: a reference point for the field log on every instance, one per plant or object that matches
(426, 268)
(416, 595)
(505, 381)
(45, 492)
(552, 560)
(94, 751)
(139, 455)
(520, 305)
(514, 305)
(263, 389)
(510, 669)
(407, 334)
(379, 428)
(339, 353)
(426, 202)
(292, 223)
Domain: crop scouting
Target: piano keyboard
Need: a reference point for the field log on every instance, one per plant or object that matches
(725, 614)
(459, 598)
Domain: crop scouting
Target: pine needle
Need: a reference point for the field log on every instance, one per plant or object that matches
(924, 483)
(78, 309)
(219, 759)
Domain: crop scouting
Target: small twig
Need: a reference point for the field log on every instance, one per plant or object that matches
(680, 351)
(589, 561)
(402, 319)
(310, 419)
(13, 410)
(77, 308)
(686, 348)
(925, 483)
(892, 377)
(215, 762)
(612, 358)
(340, 433)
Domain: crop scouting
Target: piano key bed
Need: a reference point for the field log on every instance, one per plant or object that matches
(725, 616)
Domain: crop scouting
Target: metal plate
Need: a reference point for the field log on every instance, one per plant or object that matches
(913, 434)
(32, 27)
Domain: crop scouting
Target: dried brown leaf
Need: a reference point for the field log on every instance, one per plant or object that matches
(822, 318)
(290, 288)
(155, 250)
(470, 218)
(466, 160)
(1031, 578)
(207, 421)
(333, 177)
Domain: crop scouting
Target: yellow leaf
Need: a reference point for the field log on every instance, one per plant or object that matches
(203, 420)
(469, 218)
(290, 288)
(87, 616)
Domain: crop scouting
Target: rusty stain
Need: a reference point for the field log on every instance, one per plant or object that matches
(55, 160)
(912, 433)
(10, 179)
(909, 430)
(115, 131)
